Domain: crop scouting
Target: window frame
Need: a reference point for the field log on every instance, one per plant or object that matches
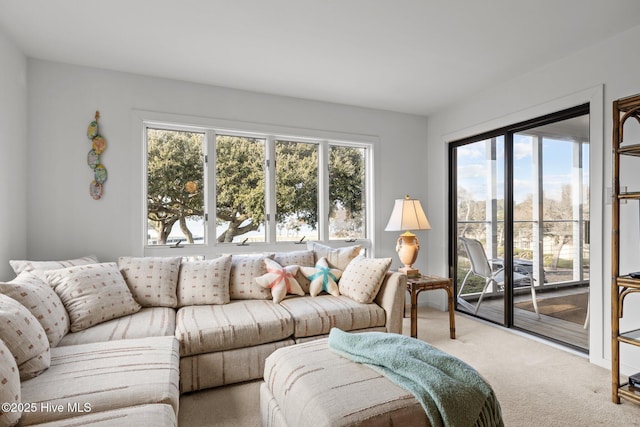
(211, 127)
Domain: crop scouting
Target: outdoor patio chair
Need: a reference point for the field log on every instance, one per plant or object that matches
(481, 266)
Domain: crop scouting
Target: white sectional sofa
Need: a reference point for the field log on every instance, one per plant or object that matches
(116, 344)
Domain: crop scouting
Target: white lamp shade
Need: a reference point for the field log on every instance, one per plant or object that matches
(407, 214)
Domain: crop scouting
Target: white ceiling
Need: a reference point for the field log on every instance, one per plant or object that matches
(409, 56)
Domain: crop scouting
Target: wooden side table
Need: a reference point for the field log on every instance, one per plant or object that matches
(415, 285)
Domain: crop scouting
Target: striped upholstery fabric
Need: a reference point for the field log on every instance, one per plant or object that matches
(317, 315)
(148, 322)
(108, 375)
(241, 323)
(139, 416)
(318, 337)
(225, 367)
(308, 384)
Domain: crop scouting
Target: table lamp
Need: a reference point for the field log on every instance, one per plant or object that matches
(408, 215)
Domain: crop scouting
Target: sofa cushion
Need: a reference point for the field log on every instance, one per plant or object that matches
(152, 415)
(24, 337)
(152, 280)
(148, 322)
(317, 315)
(106, 376)
(9, 386)
(363, 277)
(244, 270)
(208, 370)
(204, 282)
(280, 280)
(241, 323)
(25, 265)
(336, 257)
(299, 258)
(42, 301)
(92, 294)
(322, 278)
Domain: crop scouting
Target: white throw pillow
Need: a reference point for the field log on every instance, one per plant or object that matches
(336, 257)
(204, 282)
(9, 387)
(300, 258)
(362, 278)
(24, 337)
(281, 280)
(39, 266)
(152, 280)
(42, 301)
(244, 270)
(322, 278)
(92, 294)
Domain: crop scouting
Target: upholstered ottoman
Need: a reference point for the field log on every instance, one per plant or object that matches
(310, 385)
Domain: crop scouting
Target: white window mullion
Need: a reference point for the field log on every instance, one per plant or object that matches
(210, 187)
(145, 188)
(270, 190)
(323, 191)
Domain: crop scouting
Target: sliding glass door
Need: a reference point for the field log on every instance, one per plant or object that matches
(520, 222)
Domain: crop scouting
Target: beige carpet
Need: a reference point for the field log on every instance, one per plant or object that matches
(537, 385)
(572, 308)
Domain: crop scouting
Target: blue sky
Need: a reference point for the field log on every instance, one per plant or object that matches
(557, 167)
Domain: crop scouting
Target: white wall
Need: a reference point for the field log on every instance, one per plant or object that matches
(575, 79)
(13, 155)
(65, 222)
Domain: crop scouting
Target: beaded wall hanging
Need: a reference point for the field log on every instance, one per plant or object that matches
(98, 145)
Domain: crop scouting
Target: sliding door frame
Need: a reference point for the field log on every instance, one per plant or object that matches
(508, 132)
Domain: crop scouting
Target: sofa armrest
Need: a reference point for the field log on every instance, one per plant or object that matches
(391, 298)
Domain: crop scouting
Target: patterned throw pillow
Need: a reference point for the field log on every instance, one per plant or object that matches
(301, 258)
(362, 278)
(322, 278)
(244, 270)
(24, 337)
(152, 280)
(281, 280)
(42, 301)
(336, 257)
(40, 266)
(92, 294)
(204, 282)
(9, 386)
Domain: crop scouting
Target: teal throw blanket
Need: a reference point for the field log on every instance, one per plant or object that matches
(451, 392)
